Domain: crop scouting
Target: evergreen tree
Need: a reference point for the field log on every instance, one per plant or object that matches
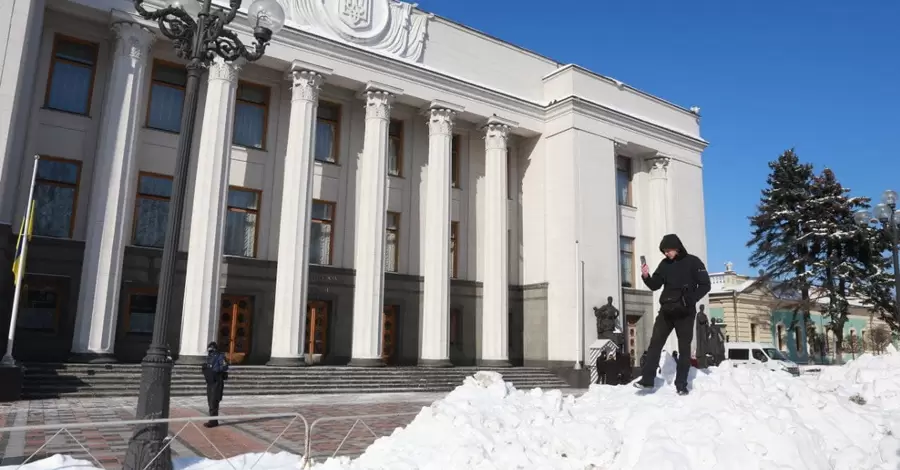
(781, 239)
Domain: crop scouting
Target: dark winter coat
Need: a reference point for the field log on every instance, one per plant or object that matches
(216, 367)
(684, 280)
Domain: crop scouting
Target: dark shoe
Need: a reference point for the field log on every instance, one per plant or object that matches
(210, 424)
(642, 385)
(682, 391)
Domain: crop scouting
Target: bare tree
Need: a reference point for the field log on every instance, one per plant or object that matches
(879, 337)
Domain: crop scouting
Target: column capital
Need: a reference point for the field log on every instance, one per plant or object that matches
(221, 69)
(379, 98)
(306, 80)
(496, 132)
(658, 166)
(440, 116)
(132, 40)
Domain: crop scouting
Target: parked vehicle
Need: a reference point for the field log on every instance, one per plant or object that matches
(757, 354)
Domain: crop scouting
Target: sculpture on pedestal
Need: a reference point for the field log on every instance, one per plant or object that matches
(616, 366)
(607, 317)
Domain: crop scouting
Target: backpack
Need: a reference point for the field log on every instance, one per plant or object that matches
(216, 363)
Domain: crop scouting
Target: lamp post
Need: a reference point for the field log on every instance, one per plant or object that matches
(886, 212)
(198, 34)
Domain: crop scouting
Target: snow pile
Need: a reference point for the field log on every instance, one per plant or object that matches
(734, 418)
(874, 378)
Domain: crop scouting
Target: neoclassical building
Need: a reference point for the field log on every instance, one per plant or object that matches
(391, 189)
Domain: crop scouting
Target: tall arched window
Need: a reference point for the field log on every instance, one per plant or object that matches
(779, 332)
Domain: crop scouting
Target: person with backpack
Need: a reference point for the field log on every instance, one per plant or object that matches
(684, 282)
(215, 371)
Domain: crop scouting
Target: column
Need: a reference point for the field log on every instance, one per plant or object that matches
(436, 292)
(495, 303)
(293, 246)
(371, 203)
(657, 167)
(112, 195)
(200, 311)
(20, 48)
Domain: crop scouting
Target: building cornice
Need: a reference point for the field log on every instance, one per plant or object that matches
(625, 121)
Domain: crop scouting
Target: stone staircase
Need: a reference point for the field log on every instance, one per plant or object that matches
(45, 381)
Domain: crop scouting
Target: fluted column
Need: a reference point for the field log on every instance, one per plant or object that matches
(495, 304)
(293, 239)
(200, 310)
(436, 296)
(657, 168)
(368, 292)
(112, 195)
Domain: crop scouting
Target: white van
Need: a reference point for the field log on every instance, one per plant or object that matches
(760, 354)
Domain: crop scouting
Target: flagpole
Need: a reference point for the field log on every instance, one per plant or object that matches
(20, 273)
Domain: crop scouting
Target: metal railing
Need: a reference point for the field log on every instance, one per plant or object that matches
(362, 422)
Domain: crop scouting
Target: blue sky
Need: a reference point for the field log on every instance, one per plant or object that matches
(820, 76)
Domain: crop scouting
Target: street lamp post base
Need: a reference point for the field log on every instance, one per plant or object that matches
(147, 448)
(11, 380)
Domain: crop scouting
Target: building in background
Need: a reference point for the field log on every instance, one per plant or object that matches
(453, 175)
(751, 312)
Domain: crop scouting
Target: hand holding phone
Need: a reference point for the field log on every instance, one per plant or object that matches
(645, 270)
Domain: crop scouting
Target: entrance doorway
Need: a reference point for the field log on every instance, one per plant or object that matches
(316, 329)
(389, 334)
(632, 340)
(234, 327)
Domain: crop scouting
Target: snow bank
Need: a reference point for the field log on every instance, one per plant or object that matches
(734, 418)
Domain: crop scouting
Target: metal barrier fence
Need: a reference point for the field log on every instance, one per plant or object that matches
(237, 435)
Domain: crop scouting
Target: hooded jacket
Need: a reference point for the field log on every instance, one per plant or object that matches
(686, 272)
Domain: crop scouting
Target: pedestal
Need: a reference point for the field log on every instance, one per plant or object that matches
(594, 350)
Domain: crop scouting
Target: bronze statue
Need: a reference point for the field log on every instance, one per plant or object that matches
(607, 317)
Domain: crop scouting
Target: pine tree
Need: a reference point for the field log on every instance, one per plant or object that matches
(781, 239)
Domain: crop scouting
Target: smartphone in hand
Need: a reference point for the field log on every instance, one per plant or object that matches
(643, 260)
(645, 270)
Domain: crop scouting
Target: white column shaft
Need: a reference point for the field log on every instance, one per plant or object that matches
(112, 192)
(436, 295)
(659, 216)
(293, 247)
(370, 219)
(204, 263)
(495, 306)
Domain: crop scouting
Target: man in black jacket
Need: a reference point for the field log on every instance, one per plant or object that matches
(215, 371)
(684, 281)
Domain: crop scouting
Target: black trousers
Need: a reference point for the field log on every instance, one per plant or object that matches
(215, 389)
(662, 328)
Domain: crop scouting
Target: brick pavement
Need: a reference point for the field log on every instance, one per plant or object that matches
(106, 445)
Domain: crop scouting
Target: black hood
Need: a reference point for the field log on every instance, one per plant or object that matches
(672, 242)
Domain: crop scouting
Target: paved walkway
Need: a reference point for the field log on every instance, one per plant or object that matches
(107, 444)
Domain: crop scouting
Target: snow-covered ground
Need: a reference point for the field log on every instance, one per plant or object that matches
(735, 418)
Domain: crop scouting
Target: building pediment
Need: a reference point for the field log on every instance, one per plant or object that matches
(385, 26)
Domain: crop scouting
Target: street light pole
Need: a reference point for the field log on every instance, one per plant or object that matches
(198, 41)
(886, 212)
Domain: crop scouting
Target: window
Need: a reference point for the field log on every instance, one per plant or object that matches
(623, 180)
(626, 259)
(321, 233)
(392, 242)
(779, 330)
(395, 148)
(739, 354)
(42, 305)
(151, 209)
(71, 79)
(141, 311)
(455, 327)
(454, 248)
(56, 196)
(251, 115)
(166, 96)
(328, 121)
(752, 332)
(798, 343)
(454, 161)
(242, 222)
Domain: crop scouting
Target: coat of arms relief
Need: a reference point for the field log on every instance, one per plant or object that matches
(388, 26)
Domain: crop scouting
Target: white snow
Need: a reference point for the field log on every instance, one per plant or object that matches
(845, 418)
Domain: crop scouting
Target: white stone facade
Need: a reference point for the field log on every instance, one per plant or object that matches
(508, 155)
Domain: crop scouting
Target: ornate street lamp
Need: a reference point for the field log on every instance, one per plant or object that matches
(886, 212)
(199, 35)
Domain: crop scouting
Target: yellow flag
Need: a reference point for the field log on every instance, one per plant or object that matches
(26, 230)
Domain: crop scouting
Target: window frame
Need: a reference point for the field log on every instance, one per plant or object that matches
(266, 110)
(454, 250)
(169, 64)
(46, 283)
(625, 165)
(623, 252)
(257, 212)
(399, 145)
(455, 142)
(137, 196)
(126, 320)
(57, 38)
(77, 186)
(396, 233)
(331, 234)
(336, 144)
